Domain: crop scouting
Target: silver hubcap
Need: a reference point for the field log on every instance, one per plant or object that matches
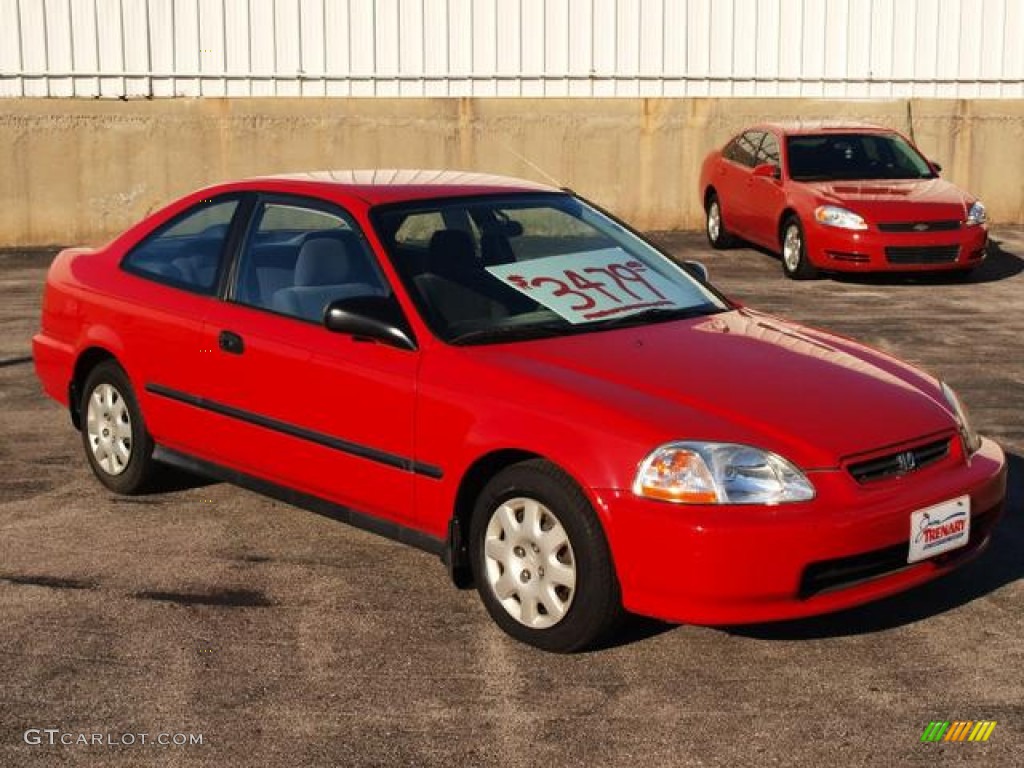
(714, 220)
(110, 429)
(530, 565)
(791, 246)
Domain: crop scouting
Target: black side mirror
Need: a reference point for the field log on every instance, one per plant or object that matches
(697, 269)
(375, 318)
(936, 167)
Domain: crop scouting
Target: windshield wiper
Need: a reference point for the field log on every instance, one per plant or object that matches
(658, 315)
(564, 328)
(503, 333)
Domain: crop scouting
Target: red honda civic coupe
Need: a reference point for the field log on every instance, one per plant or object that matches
(848, 198)
(501, 374)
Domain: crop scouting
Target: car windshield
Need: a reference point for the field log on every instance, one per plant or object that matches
(849, 156)
(501, 268)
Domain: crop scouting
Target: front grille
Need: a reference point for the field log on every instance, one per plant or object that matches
(900, 462)
(926, 254)
(942, 225)
(843, 572)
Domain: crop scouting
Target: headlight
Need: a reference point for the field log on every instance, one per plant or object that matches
(976, 215)
(833, 216)
(719, 473)
(972, 440)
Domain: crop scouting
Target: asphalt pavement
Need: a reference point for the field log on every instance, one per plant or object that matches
(276, 637)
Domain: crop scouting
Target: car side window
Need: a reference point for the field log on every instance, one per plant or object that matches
(743, 149)
(188, 251)
(768, 151)
(298, 259)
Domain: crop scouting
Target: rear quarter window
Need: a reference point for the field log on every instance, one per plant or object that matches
(188, 251)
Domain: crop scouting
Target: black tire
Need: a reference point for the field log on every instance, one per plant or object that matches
(593, 607)
(129, 475)
(719, 237)
(796, 266)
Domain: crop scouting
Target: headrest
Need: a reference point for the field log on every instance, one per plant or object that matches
(495, 249)
(322, 261)
(452, 250)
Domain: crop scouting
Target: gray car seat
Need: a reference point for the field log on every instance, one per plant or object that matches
(325, 271)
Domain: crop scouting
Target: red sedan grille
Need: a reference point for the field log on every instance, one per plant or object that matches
(943, 225)
(899, 463)
(928, 254)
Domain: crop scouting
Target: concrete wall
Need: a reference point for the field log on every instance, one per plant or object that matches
(77, 171)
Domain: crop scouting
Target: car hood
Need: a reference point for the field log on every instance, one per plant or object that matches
(741, 376)
(892, 200)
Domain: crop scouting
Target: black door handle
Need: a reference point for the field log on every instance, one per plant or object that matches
(231, 342)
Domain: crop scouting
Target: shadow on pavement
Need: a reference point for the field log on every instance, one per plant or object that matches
(633, 629)
(1001, 564)
(170, 479)
(1000, 265)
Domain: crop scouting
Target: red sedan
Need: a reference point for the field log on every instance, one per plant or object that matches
(499, 373)
(841, 199)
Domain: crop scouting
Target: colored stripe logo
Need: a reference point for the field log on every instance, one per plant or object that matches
(958, 730)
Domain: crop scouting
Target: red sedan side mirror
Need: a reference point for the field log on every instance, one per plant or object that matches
(767, 171)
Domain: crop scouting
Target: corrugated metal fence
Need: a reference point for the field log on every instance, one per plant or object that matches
(625, 48)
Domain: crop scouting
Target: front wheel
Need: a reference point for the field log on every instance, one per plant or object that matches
(117, 445)
(541, 561)
(795, 263)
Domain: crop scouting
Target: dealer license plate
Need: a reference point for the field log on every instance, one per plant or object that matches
(939, 529)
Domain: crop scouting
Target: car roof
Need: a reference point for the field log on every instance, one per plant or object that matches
(796, 127)
(378, 186)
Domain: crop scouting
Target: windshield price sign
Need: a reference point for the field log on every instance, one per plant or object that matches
(594, 285)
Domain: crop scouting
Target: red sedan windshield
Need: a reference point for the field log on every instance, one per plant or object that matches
(850, 156)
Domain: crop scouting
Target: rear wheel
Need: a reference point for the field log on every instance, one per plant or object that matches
(117, 445)
(718, 236)
(541, 561)
(794, 252)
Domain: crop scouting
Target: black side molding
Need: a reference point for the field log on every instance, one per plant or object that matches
(328, 441)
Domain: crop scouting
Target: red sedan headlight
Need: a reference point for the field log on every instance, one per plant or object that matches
(976, 214)
(842, 218)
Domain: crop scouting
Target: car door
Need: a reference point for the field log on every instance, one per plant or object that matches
(766, 195)
(323, 413)
(733, 181)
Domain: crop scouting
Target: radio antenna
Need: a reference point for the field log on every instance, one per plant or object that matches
(534, 166)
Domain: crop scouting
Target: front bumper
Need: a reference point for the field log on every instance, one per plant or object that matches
(843, 250)
(706, 564)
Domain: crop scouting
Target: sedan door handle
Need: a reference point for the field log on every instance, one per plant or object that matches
(230, 342)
